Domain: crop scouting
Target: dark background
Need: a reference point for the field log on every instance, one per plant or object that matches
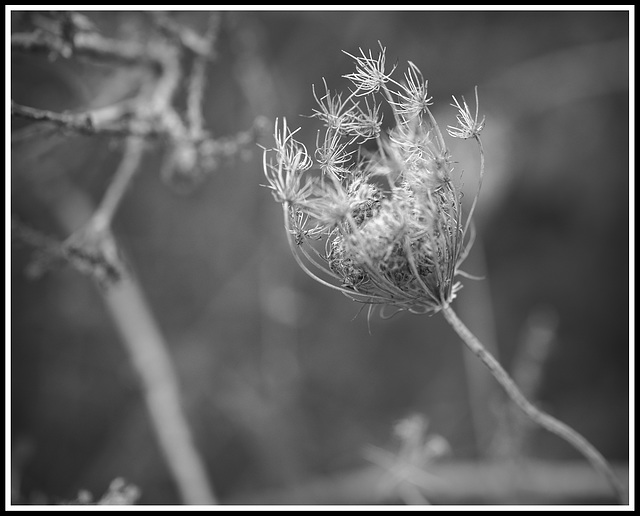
(282, 379)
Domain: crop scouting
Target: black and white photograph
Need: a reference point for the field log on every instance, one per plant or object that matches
(319, 258)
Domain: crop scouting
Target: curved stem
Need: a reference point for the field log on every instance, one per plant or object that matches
(541, 418)
(475, 199)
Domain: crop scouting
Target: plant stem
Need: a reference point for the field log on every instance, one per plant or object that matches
(151, 359)
(133, 153)
(541, 418)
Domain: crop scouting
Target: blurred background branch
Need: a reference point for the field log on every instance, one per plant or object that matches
(456, 483)
(122, 295)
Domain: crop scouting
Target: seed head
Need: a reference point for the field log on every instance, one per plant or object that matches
(382, 226)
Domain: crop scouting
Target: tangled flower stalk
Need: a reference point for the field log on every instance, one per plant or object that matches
(377, 214)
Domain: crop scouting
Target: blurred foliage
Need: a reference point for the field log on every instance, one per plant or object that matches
(283, 379)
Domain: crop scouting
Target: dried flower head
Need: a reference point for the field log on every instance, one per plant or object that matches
(382, 224)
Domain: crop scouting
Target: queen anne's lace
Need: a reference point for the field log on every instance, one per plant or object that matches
(381, 224)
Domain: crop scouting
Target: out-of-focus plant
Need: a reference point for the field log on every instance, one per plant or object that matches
(119, 493)
(378, 216)
(162, 109)
(407, 469)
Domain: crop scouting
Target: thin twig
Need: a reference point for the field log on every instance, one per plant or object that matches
(91, 46)
(30, 236)
(186, 37)
(541, 418)
(108, 120)
(132, 157)
(80, 122)
(87, 253)
(198, 78)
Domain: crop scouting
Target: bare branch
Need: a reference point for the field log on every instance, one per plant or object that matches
(86, 253)
(130, 163)
(112, 120)
(454, 483)
(184, 36)
(30, 236)
(93, 249)
(80, 122)
(230, 146)
(197, 80)
(91, 46)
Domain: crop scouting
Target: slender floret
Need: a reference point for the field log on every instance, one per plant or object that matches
(412, 97)
(335, 113)
(369, 76)
(284, 171)
(468, 125)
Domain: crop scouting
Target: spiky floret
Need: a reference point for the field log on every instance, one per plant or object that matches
(382, 226)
